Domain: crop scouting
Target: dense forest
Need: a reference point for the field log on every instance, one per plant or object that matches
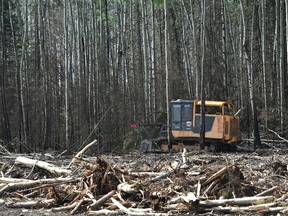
(73, 71)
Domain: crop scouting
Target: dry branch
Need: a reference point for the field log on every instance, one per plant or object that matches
(268, 191)
(216, 175)
(65, 208)
(281, 138)
(77, 156)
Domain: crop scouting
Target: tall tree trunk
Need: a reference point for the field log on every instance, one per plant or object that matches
(196, 50)
(286, 18)
(145, 61)
(167, 62)
(281, 66)
(45, 71)
(225, 48)
(202, 126)
(66, 69)
(249, 56)
(5, 114)
(21, 82)
(154, 104)
(263, 45)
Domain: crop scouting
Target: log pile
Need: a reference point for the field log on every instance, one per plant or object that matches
(148, 184)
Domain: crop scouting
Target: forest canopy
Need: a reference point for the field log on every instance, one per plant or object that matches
(79, 70)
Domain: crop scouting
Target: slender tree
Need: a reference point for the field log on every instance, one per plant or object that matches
(167, 67)
(248, 58)
(202, 127)
(66, 69)
(5, 117)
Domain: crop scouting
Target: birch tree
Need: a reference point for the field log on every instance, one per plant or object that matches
(248, 58)
(263, 45)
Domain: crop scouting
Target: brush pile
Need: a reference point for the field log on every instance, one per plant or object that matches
(139, 184)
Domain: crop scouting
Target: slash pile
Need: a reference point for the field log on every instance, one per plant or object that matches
(139, 184)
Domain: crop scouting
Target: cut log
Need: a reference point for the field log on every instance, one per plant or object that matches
(104, 212)
(31, 204)
(254, 208)
(102, 200)
(44, 165)
(238, 201)
(33, 183)
(13, 180)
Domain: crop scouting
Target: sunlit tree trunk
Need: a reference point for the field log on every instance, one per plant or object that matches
(263, 45)
(196, 50)
(154, 104)
(187, 62)
(145, 61)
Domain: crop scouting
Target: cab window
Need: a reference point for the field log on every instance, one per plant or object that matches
(186, 112)
(210, 110)
(228, 109)
(176, 112)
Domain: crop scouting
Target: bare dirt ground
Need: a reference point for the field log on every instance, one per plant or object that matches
(162, 183)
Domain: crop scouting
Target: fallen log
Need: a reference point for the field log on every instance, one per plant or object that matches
(33, 183)
(104, 212)
(13, 180)
(137, 212)
(42, 203)
(238, 201)
(237, 209)
(102, 200)
(75, 209)
(65, 208)
(44, 165)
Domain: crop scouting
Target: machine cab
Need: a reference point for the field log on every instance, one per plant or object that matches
(182, 115)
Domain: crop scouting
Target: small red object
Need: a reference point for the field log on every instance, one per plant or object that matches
(134, 126)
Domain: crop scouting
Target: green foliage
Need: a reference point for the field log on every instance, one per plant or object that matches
(131, 141)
